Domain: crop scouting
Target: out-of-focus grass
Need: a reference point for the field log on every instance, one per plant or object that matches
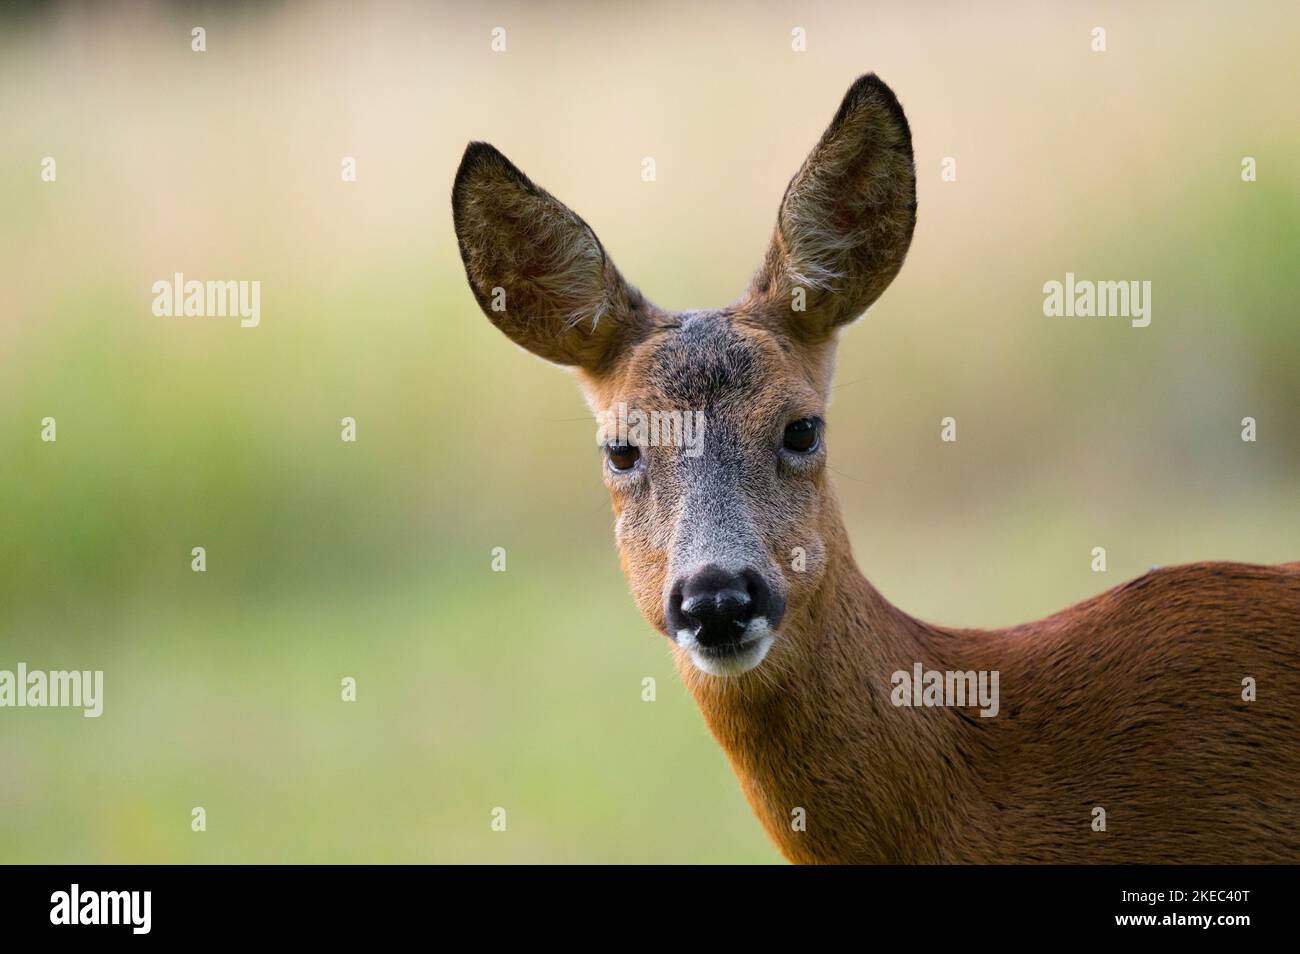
(523, 689)
(471, 696)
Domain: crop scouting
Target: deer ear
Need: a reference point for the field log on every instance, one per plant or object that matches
(846, 220)
(538, 271)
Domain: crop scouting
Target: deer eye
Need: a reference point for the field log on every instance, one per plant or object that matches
(802, 436)
(622, 457)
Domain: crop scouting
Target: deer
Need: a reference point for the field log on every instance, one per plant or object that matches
(1158, 722)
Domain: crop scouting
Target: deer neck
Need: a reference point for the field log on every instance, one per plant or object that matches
(833, 770)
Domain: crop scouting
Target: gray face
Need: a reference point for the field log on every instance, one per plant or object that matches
(720, 534)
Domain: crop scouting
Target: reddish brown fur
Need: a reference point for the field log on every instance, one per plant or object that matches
(1130, 701)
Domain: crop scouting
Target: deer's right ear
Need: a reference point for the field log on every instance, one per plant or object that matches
(538, 271)
(847, 217)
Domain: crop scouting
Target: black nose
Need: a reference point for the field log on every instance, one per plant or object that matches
(716, 605)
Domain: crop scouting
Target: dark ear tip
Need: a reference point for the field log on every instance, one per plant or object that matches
(870, 90)
(477, 152)
(477, 155)
(481, 158)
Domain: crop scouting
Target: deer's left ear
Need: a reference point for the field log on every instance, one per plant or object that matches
(538, 271)
(847, 217)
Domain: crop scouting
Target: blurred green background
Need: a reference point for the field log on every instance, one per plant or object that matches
(327, 559)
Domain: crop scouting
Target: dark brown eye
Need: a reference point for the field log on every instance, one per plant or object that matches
(622, 456)
(802, 436)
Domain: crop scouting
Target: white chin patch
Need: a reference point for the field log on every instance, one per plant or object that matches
(731, 662)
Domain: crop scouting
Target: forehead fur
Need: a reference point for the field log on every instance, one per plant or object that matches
(713, 359)
(704, 359)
